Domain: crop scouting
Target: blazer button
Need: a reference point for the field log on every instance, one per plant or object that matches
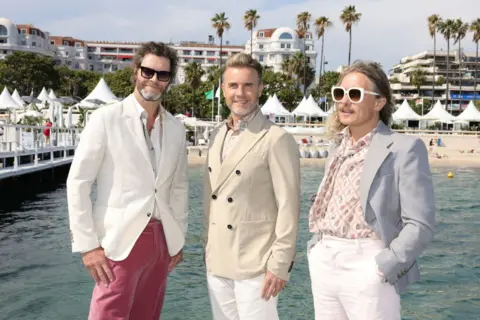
(214, 197)
(210, 169)
(149, 214)
(238, 172)
(230, 227)
(230, 200)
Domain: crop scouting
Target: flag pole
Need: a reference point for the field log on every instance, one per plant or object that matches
(213, 102)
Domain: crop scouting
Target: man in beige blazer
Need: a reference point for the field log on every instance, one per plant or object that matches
(252, 202)
(132, 236)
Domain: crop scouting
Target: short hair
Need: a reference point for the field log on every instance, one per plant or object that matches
(159, 49)
(243, 60)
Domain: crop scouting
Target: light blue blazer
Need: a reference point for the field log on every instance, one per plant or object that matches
(397, 197)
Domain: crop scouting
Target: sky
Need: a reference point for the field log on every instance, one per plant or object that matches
(388, 29)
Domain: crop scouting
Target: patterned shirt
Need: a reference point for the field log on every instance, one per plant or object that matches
(337, 210)
(234, 128)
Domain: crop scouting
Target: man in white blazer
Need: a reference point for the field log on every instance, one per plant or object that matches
(132, 236)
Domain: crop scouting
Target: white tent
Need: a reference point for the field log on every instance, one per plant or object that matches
(275, 107)
(101, 92)
(438, 113)
(7, 102)
(52, 95)
(17, 98)
(43, 96)
(470, 113)
(405, 113)
(308, 107)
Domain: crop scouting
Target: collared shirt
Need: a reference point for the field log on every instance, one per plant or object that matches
(337, 210)
(234, 128)
(153, 140)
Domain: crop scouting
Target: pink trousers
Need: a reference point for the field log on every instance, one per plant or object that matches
(138, 288)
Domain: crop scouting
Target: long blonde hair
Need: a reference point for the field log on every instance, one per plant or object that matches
(377, 76)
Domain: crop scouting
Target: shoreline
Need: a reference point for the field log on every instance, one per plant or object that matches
(457, 162)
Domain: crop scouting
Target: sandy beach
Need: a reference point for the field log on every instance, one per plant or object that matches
(459, 151)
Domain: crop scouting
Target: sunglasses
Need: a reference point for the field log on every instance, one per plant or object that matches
(148, 73)
(355, 95)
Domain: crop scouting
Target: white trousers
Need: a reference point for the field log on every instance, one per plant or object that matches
(346, 284)
(240, 299)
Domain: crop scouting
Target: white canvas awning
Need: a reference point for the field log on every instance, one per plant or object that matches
(470, 113)
(17, 98)
(405, 113)
(438, 113)
(101, 93)
(308, 107)
(7, 102)
(275, 107)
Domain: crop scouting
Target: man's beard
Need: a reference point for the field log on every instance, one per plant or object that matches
(148, 96)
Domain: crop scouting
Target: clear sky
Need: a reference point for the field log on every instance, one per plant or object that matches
(388, 30)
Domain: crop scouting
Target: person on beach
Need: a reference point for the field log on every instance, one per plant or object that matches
(251, 202)
(46, 131)
(374, 212)
(133, 235)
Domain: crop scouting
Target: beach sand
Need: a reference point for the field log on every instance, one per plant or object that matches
(458, 151)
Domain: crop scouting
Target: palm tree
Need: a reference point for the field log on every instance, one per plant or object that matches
(193, 77)
(417, 79)
(250, 20)
(446, 28)
(220, 23)
(303, 24)
(460, 31)
(433, 22)
(349, 17)
(321, 25)
(475, 28)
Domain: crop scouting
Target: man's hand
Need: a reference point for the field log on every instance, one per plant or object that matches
(97, 265)
(272, 285)
(176, 259)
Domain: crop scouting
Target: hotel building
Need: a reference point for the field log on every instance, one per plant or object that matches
(272, 46)
(462, 71)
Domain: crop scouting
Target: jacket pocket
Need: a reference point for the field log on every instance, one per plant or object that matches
(255, 239)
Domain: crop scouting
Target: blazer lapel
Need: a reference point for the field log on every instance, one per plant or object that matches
(135, 126)
(215, 153)
(247, 140)
(377, 153)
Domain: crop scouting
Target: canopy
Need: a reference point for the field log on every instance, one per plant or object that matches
(17, 98)
(308, 107)
(274, 106)
(7, 102)
(405, 112)
(438, 113)
(470, 113)
(101, 92)
(52, 95)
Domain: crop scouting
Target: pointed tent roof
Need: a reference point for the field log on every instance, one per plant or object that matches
(17, 98)
(405, 112)
(274, 106)
(438, 113)
(6, 100)
(308, 107)
(470, 113)
(101, 92)
(43, 96)
(52, 95)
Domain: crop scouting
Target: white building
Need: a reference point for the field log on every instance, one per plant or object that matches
(462, 72)
(272, 46)
(23, 37)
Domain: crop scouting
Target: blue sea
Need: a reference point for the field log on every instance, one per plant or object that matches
(41, 279)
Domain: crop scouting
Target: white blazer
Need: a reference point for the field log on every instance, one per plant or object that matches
(113, 152)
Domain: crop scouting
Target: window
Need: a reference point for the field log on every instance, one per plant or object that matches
(65, 43)
(34, 44)
(260, 46)
(78, 44)
(282, 45)
(286, 36)
(307, 36)
(24, 31)
(77, 65)
(3, 30)
(23, 42)
(261, 34)
(52, 43)
(77, 54)
(289, 45)
(90, 67)
(34, 32)
(260, 58)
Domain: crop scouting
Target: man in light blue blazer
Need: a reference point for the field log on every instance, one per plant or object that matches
(374, 212)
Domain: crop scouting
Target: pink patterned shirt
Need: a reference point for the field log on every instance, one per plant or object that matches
(337, 210)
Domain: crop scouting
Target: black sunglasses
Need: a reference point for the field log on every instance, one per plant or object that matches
(148, 73)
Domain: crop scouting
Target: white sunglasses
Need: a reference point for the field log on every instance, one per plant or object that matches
(355, 95)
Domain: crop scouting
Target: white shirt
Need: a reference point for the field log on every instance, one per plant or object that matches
(155, 138)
